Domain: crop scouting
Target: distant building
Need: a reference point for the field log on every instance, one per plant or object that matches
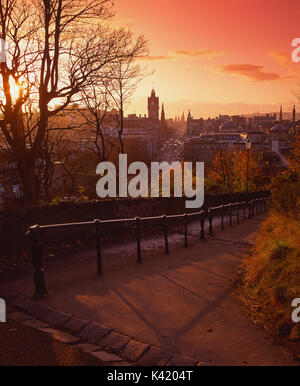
(153, 106)
(194, 126)
(225, 133)
(205, 147)
(228, 127)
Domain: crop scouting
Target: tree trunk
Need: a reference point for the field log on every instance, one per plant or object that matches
(26, 167)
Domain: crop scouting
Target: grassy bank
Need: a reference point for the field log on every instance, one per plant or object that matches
(270, 277)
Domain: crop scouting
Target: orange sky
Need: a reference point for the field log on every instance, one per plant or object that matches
(216, 56)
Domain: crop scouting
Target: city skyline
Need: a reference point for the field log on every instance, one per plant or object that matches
(202, 63)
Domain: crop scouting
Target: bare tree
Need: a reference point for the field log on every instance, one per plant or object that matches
(54, 49)
(121, 82)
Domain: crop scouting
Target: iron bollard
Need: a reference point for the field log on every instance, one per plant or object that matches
(249, 210)
(257, 206)
(138, 240)
(185, 230)
(202, 222)
(210, 220)
(252, 207)
(222, 217)
(244, 208)
(230, 215)
(265, 204)
(98, 247)
(36, 251)
(164, 223)
(238, 213)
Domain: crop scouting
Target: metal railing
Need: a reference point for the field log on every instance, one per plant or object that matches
(247, 209)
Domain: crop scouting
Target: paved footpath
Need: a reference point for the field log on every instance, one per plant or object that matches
(179, 303)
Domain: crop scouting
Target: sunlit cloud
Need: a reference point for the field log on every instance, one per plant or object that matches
(198, 53)
(281, 58)
(252, 72)
(153, 58)
(202, 53)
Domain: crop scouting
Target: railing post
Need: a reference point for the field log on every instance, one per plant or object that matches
(257, 206)
(253, 210)
(36, 251)
(98, 247)
(202, 223)
(210, 219)
(164, 223)
(138, 240)
(238, 213)
(249, 210)
(244, 207)
(222, 217)
(185, 230)
(230, 215)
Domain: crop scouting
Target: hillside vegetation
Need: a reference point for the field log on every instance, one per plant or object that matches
(271, 274)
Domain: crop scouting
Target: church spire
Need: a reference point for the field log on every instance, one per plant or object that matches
(294, 120)
(280, 114)
(163, 117)
(294, 114)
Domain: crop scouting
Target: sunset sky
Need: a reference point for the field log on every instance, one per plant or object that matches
(216, 56)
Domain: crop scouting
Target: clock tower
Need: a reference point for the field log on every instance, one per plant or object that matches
(153, 106)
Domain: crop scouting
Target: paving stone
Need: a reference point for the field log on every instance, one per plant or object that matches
(39, 310)
(75, 324)
(56, 318)
(178, 360)
(35, 323)
(114, 341)
(22, 302)
(154, 357)
(48, 314)
(134, 350)
(19, 316)
(60, 336)
(93, 332)
(106, 357)
(87, 347)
